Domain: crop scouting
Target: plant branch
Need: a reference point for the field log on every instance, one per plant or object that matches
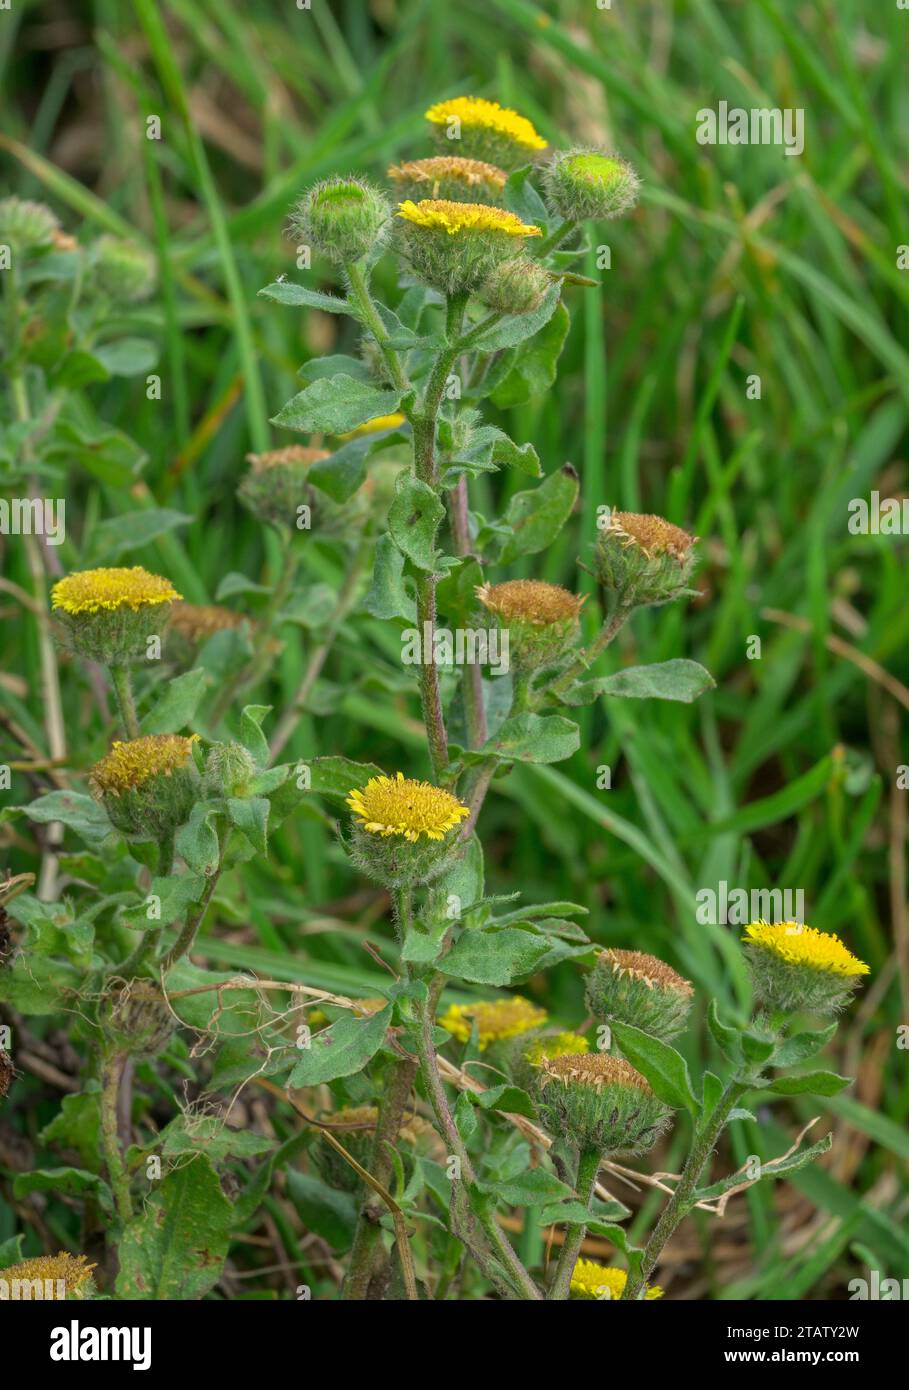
(588, 1170)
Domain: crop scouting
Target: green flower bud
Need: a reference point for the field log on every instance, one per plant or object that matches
(346, 219)
(277, 489)
(518, 286)
(108, 615)
(229, 769)
(541, 620)
(148, 785)
(449, 177)
(643, 560)
(137, 1019)
(589, 184)
(795, 967)
(405, 831)
(600, 1103)
(631, 987)
(61, 1278)
(455, 247)
(26, 226)
(124, 271)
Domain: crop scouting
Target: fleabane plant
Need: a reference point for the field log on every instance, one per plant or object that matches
(453, 1094)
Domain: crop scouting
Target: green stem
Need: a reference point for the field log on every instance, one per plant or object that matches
(555, 238)
(187, 936)
(360, 293)
(585, 659)
(111, 1074)
(681, 1201)
(123, 689)
(588, 1168)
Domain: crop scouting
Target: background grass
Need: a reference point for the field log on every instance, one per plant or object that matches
(739, 261)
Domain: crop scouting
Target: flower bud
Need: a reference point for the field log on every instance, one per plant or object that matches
(588, 183)
(192, 624)
(456, 246)
(137, 1019)
(148, 785)
(343, 218)
(55, 1277)
(404, 831)
(604, 1282)
(631, 987)
(527, 1055)
(277, 489)
(229, 769)
(643, 560)
(518, 286)
(108, 615)
(448, 177)
(124, 271)
(600, 1103)
(476, 128)
(541, 620)
(26, 226)
(795, 967)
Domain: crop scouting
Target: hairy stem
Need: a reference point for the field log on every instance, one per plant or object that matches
(472, 679)
(111, 1075)
(585, 659)
(121, 681)
(588, 1168)
(360, 294)
(184, 942)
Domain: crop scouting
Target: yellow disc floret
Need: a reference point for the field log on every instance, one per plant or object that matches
(800, 945)
(604, 1282)
(94, 591)
(530, 601)
(478, 113)
(59, 1277)
(402, 806)
(128, 765)
(495, 1020)
(438, 214)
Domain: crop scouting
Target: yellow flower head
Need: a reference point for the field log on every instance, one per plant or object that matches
(128, 765)
(438, 214)
(94, 591)
(479, 114)
(403, 806)
(376, 425)
(60, 1276)
(496, 1020)
(604, 1282)
(444, 166)
(800, 945)
(530, 601)
(560, 1045)
(597, 1070)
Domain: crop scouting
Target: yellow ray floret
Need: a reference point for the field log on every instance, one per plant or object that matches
(487, 115)
(605, 1282)
(91, 591)
(438, 214)
(800, 945)
(496, 1020)
(128, 765)
(402, 806)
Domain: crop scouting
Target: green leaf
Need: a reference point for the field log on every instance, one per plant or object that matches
(663, 1067)
(250, 816)
(176, 1247)
(388, 596)
(78, 812)
(756, 1047)
(11, 1250)
(342, 473)
(337, 777)
(521, 198)
(531, 738)
(175, 708)
(815, 1083)
(774, 1168)
(62, 1182)
(286, 292)
(340, 1050)
(324, 1210)
(678, 679)
(488, 448)
(197, 840)
(251, 735)
(494, 957)
(535, 366)
(128, 356)
(535, 518)
(234, 583)
(336, 405)
(597, 1219)
(413, 520)
(173, 895)
(801, 1046)
(336, 365)
(510, 1100)
(210, 1135)
(77, 1125)
(532, 1188)
(133, 530)
(726, 1039)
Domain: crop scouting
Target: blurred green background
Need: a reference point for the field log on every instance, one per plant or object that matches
(739, 262)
